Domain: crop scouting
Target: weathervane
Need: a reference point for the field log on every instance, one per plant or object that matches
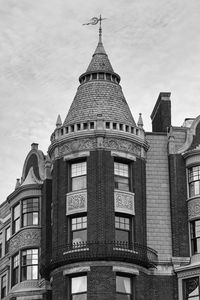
(94, 21)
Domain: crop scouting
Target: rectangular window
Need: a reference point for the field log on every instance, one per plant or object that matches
(194, 181)
(122, 229)
(191, 288)
(78, 176)
(7, 239)
(30, 212)
(195, 236)
(121, 175)
(79, 229)
(79, 288)
(15, 269)
(29, 265)
(16, 218)
(3, 286)
(124, 289)
(1, 245)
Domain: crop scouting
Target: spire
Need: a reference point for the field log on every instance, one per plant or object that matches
(140, 121)
(58, 122)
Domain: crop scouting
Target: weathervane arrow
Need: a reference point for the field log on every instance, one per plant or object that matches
(94, 21)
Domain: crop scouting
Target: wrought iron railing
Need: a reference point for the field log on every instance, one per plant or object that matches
(101, 250)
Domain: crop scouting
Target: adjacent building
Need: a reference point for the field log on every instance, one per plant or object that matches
(112, 212)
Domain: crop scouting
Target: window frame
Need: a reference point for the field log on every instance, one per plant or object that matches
(3, 287)
(122, 179)
(16, 221)
(120, 293)
(1, 245)
(7, 238)
(130, 232)
(184, 291)
(83, 222)
(26, 266)
(84, 292)
(194, 181)
(195, 237)
(30, 213)
(15, 269)
(82, 176)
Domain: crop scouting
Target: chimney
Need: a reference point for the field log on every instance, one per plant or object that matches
(161, 115)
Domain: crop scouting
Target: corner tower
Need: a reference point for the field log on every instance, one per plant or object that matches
(98, 215)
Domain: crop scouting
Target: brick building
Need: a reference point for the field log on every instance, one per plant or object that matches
(112, 212)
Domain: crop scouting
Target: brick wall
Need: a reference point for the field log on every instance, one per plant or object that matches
(46, 234)
(101, 283)
(100, 196)
(158, 197)
(140, 201)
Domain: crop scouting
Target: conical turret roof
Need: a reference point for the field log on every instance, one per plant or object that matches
(99, 94)
(100, 61)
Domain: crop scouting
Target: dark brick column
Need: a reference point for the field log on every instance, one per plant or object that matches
(179, 213)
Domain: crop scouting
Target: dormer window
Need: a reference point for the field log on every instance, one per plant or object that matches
(101, 75)
(94, 76)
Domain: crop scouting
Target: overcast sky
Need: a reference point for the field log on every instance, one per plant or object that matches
(154, 45)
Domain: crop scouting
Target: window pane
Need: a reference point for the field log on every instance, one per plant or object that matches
(121, 236)
(79, 236)
(7, 233)
(16, 212)
(121, 183)
(191, 288)
(123, 284)
(78, 183)
(78, 169)
(79, 284)
(121, 169)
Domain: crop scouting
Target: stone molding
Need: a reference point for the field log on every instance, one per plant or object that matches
(27, 285)
(26, 193)
(124, 202)
(122, 145)
(193, 160)
(189, 273)
(76, 202)
(194, 208)
(27, 237)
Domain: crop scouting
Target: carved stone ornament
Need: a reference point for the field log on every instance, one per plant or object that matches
(124, 202)
(76, 202)
(77, 145)
(26, 285)
(189, 273)
(25, 238)
(122, 145)
(194, 208)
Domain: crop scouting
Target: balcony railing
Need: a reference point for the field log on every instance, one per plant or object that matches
(101, 250)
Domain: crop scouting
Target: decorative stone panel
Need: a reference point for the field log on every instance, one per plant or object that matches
(124, 202)
(77, 145)
(27, 237)
(122, 145)
(76, 202)
(194, 208)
